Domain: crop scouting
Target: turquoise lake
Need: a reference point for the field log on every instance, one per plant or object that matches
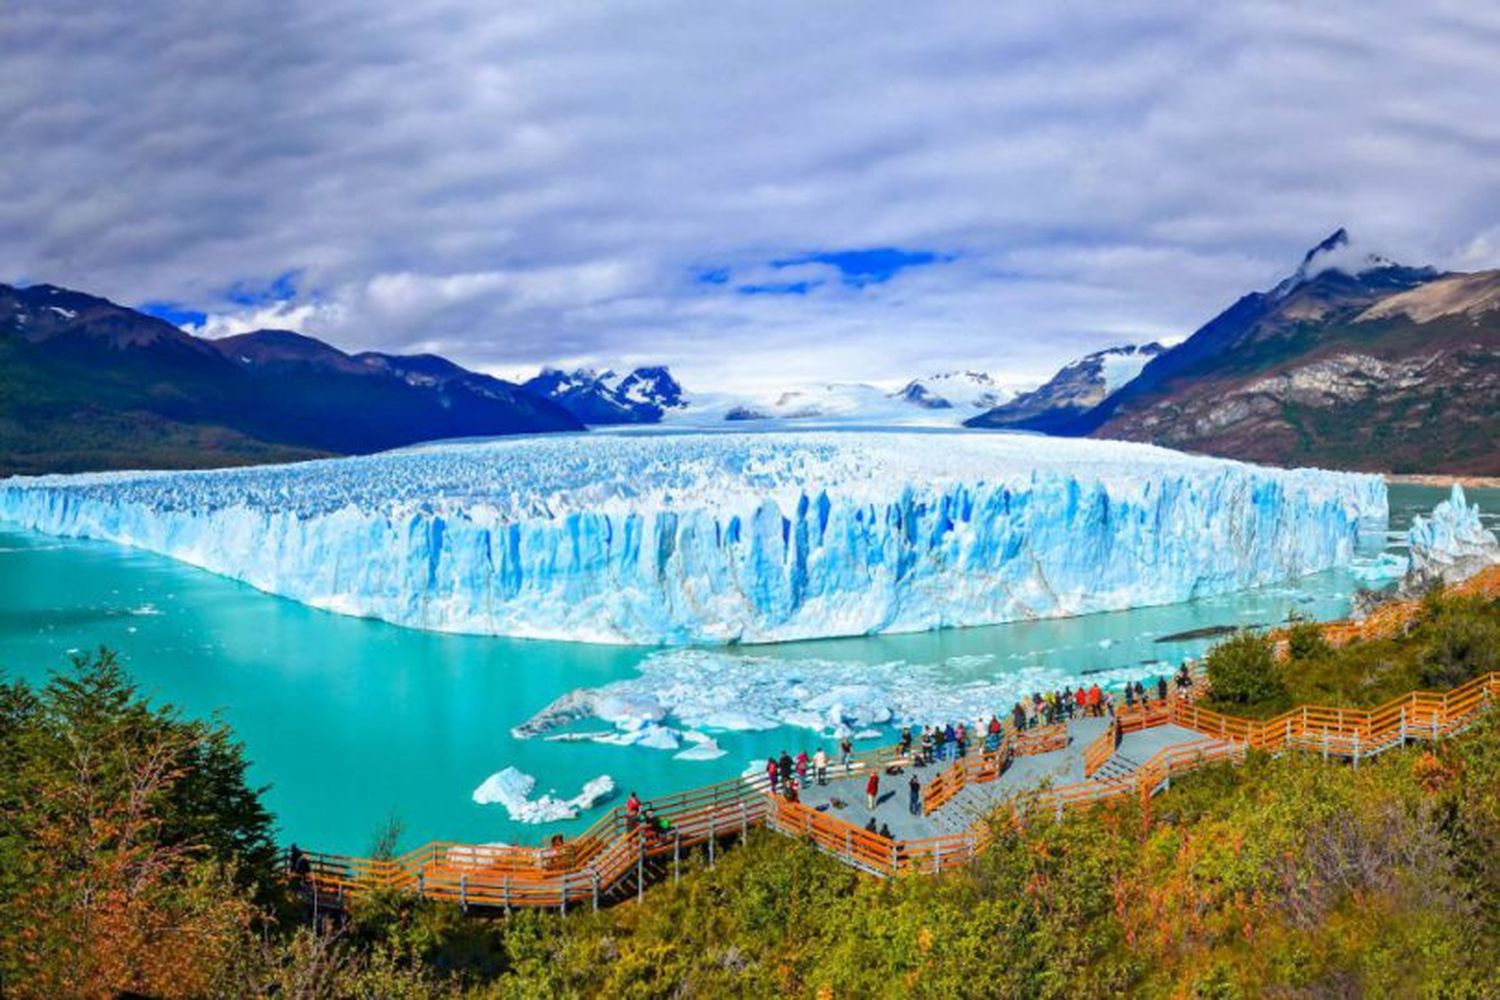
(350, 721)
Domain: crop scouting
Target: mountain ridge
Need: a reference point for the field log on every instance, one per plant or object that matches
(90, 384)
(1390, 368)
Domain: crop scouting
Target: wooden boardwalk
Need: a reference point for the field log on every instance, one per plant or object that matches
(613, 859)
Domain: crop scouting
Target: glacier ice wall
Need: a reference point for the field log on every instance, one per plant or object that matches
(722, 537)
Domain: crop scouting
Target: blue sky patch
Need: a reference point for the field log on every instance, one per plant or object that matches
(173, 312)
(248, 294)
(782, 288)
(858, 268)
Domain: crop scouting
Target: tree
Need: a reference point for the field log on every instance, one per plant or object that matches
(131, 841)
(1242, 671)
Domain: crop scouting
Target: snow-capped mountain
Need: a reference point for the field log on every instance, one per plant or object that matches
(938, 400)
(641, 396)
(965, 391)
(1078, 387)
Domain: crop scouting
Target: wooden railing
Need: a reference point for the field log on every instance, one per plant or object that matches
(974, 769)
(852, 844)
(1101, 749)
(1349, 732)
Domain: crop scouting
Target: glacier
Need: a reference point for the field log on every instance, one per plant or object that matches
(708, 538)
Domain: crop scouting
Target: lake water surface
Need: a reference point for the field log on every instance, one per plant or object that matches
(350, 721)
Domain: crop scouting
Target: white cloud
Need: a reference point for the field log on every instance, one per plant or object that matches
(542, 180)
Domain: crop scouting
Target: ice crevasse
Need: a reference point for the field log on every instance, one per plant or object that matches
(723, 537)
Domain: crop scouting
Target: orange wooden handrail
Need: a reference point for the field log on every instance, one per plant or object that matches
(1101, 749)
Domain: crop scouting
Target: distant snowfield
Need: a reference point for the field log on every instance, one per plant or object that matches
(729, 537)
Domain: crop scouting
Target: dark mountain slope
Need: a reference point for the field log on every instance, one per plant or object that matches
(88, 384)
(1390, 368)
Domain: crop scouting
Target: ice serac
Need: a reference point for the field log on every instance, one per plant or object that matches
(720, 537)
(1450, 545)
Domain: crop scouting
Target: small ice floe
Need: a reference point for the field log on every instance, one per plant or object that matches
(512, 789)
(1380, 570)
(146, 611)
(704, 747)
(644, 735)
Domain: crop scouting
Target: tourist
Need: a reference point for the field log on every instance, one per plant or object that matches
(1095, 696)
(870, 826)
(914, 786)
(820, 765)
(784, 765)
(1161, 688)
(927, 744)
(772, 771)
(885, 831)
(1031, 715)
(846, 752)
(633, 809)
(992, 735)
(802, 766)
(961, 740)
(299, 866)
(1129, 696)
(1018, 718)
(872, 788)
(791, 791)
(939, 743)
(905, 748)
(950, 740)
(1081, 701)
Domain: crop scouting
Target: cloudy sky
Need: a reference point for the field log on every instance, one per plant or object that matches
(754, 193)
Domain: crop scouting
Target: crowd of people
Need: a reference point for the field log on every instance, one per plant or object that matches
(790, 776)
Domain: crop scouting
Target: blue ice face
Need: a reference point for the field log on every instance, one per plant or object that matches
(714, 538)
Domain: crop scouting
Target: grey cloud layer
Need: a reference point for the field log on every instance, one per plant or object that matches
(520, 182)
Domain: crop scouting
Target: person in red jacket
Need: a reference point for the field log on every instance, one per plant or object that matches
(872, 788)
(1081, 702)
(632, 812)
(1095, 698)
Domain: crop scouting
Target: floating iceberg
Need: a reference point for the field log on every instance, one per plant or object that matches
(834, 698)
(723, 537)
(512, 789)
(1451, 545)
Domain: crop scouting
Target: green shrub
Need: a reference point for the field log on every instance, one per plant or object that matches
(1242, 671)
